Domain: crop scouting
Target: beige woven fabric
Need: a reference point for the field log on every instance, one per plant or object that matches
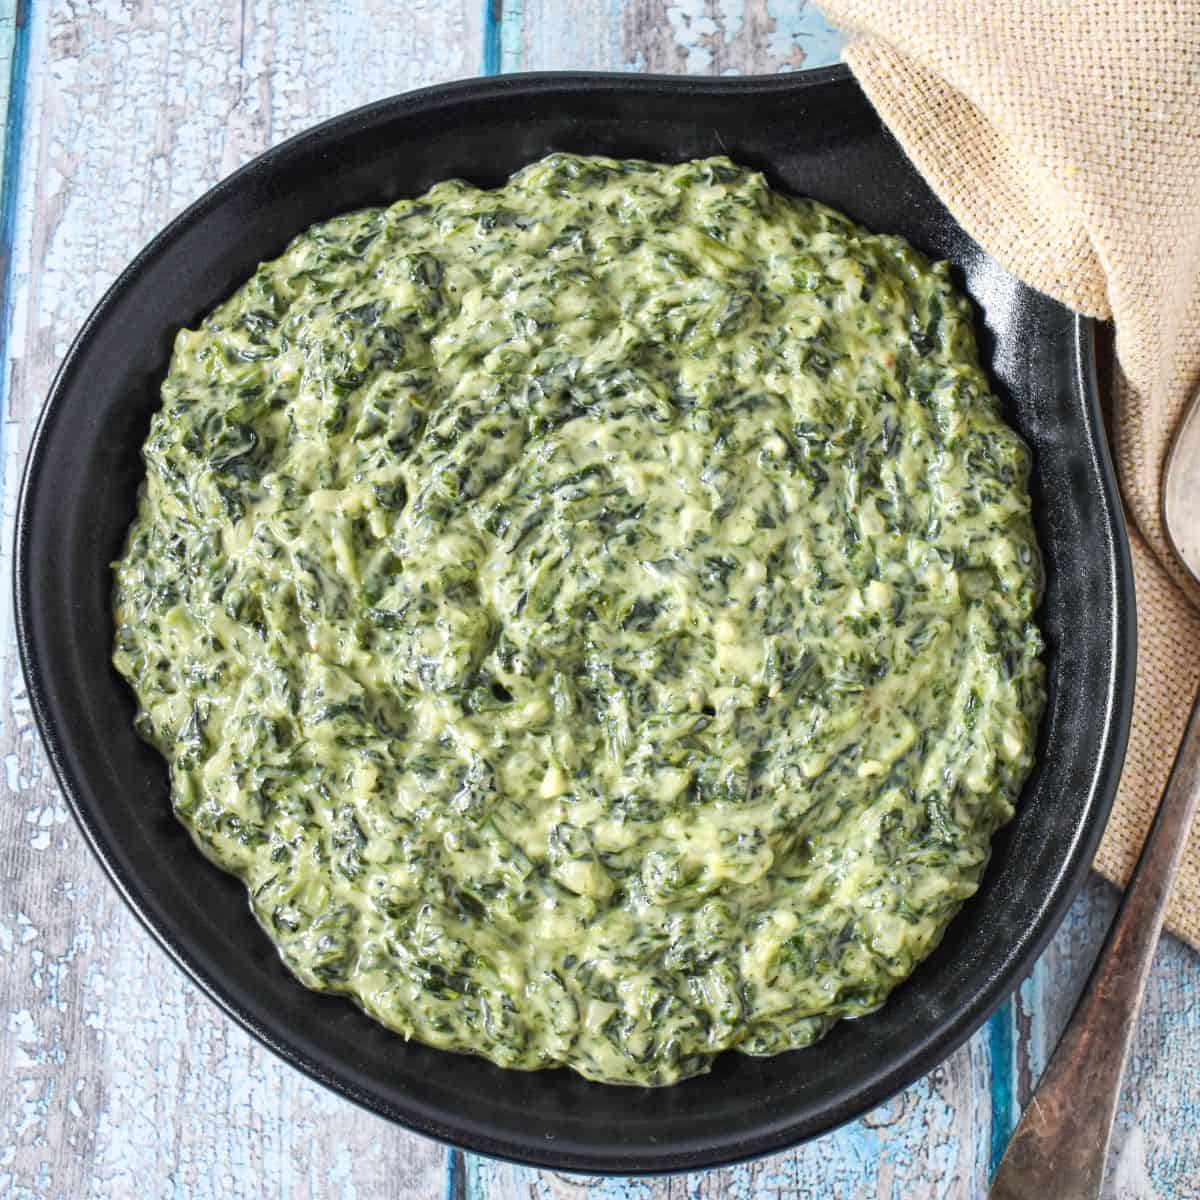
(1065, 137)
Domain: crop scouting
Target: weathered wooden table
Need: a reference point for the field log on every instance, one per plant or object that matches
(117, 1078)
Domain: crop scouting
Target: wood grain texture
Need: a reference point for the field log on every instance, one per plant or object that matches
(698, 37)
(943, 1136)
(118, 1079)
(1062, 1141)
(913, 1146)
(1156, 1140)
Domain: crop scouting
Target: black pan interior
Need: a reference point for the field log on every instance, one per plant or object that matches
(813, 134)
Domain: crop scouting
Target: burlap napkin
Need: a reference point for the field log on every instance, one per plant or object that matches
(1065, 137)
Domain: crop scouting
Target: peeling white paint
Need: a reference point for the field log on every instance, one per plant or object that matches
(117, 1078)
(693, 28)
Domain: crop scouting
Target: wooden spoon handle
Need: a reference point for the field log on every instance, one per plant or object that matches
(1059, 1149)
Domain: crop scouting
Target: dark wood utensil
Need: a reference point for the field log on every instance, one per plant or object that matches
(1059, 1149)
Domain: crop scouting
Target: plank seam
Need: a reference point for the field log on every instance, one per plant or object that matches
(456, 1174)
(493, 18)
(14, 129)
(1000, 1047)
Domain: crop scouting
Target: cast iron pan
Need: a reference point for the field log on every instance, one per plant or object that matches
(813, 134)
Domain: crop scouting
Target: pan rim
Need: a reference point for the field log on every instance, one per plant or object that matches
(428, 1118)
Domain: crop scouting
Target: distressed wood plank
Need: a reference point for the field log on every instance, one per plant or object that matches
(1155, 1151)
(724, 37)
(908, 1148)
(699, 37)
(119, 1078)
(8, 35)
(935, 1139)
(917, 1145)
(923, 1143)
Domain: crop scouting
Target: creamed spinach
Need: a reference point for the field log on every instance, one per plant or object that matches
(593, 617)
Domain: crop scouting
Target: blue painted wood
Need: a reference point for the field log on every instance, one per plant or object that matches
(928, 1133)
(493, 16)
(117, 1078)
(1001, 1047)
(882, 1155)
(716, 37)
(14, 53)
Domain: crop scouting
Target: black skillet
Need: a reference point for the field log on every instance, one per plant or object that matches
(813, 134)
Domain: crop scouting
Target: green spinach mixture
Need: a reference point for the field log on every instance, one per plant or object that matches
(594, 617)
